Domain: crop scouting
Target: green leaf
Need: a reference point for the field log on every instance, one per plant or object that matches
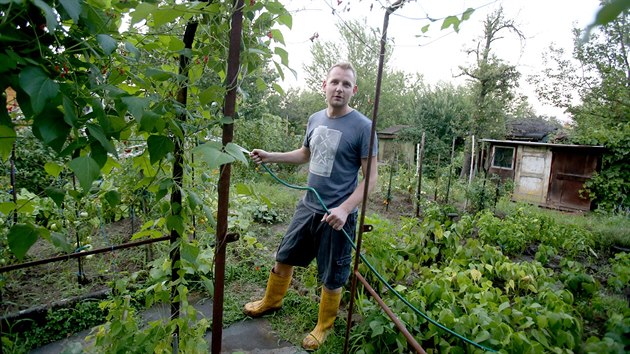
(69, 112)
(73, 8)
(482, 336)
(194, 200)
(20, 238)
(610, 11)
(56, 194)
(213, 93)
(86, 170)
(7, 138)
(97, 133)
(53, 169)
(158, 75)
(38, 86)
(236, 151)
(7, 207)
(425, 28)
(151, 122)
(106, 42)
(98, 153)
(377, 328)
(189, 252)
(466, 15)
(243, 189)
(51, 17)
(211, 154)
(59, 240)
(286, 19)
(283, 54)
(451, 21)
(277, 35)
(51, 128)
(159, 146)
(278, 89)
(175, 222)
(164, 16)
(208, 284)
(112, 198)
(141, 12)
(136, 105)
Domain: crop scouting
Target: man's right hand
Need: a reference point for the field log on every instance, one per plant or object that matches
(259, 156)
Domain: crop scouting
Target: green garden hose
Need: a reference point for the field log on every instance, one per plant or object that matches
(380, 277)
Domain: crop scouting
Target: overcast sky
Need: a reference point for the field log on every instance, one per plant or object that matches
(437, 53)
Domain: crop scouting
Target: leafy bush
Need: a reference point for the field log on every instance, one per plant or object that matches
(270, 133)
(59, 324)
(470, 286)
(30, 157)
(483, 193)
(621, 271)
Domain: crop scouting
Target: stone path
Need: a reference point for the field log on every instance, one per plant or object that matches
(251, 336)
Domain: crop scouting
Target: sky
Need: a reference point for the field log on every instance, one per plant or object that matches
(437, 53)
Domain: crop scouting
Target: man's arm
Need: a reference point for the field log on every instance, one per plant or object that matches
(295, 157)
(337, 216)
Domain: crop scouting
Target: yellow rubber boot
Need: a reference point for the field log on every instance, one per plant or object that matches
(277, 286)
(328, 307)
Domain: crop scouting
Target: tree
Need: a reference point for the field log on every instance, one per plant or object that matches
(438, 111)
(594, 88)
(360, 45)
(492, 81)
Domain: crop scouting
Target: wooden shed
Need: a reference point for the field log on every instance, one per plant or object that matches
(391, 149)
(551, 175)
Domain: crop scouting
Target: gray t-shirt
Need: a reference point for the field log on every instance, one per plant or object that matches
(337, 146)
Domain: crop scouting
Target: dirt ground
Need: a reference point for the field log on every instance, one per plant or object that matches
(46, 284)
(51, 283)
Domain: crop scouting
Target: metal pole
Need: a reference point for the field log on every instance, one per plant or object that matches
(224, 180)
(437, 179)
(81, 254)
(178, 180)
(472, 166)
(379, 80)
(389, 187)
(13, 186)
(397, 322)
(450, 169)
(419, 172)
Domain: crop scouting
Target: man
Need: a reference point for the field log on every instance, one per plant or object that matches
(336, 145)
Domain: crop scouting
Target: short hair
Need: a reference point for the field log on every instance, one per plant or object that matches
(345, 66)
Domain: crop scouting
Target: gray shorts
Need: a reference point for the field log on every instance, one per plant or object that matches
(307, 238)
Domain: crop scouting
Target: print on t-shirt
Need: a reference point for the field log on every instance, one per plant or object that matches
(324, 145)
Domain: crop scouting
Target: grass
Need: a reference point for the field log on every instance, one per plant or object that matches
(609, 230)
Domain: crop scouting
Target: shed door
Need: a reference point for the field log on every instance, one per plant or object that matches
(569, 171)
(532, 174)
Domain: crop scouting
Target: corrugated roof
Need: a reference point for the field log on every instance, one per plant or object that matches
(531, 143)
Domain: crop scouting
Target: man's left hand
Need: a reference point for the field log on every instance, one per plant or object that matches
(336, 218)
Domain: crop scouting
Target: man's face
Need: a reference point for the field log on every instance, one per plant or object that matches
(339, 87)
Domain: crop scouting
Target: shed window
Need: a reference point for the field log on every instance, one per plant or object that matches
(503, 157)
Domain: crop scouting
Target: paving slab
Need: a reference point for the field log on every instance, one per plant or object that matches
(251, 336)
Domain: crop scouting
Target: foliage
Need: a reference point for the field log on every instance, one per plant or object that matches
(30, 156)
(597, 80)
(441, 112)
(484, 192)
(470, 286)
(59, 324)
(271, 133)
(297, 106)
(360, 45)
(492, 80)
